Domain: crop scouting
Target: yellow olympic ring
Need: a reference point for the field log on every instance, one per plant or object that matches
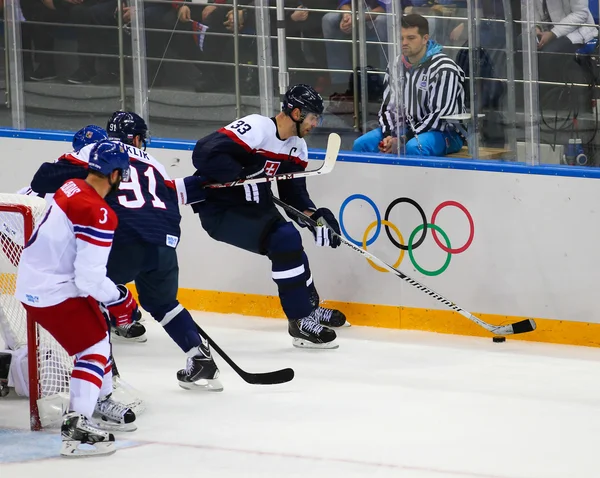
(393, 228)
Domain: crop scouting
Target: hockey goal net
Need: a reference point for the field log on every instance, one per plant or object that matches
(48, 375)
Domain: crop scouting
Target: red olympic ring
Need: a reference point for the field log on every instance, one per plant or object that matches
(471, 227)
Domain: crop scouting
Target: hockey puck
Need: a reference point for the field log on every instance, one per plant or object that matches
(499, 339)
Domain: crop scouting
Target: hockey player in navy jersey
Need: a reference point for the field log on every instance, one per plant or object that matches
(144, 246)
(60, 281)
(246, 217)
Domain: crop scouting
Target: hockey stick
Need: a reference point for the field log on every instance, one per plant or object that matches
(333, 148)
(267, 378)
(521, 327)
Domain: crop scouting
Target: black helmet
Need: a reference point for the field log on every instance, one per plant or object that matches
(303, 97)
(125, 125)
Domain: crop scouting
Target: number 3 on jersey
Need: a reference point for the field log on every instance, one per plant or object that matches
(135, 186)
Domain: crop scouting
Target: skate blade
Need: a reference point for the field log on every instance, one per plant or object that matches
(118, 338)
(203, 385)
(347, 324)
(110, 426)
(306, 344)
(76, 449)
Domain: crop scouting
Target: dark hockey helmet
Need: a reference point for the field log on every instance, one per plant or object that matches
(303, 97)
(125, 125)
(88, 135)
(106, 156)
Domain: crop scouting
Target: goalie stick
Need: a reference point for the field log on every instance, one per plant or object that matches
(267, 378)
(521, 327)
(333, 148)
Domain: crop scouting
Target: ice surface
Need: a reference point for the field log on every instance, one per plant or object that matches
(385, 404)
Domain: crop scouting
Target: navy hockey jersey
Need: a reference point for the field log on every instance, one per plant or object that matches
(251, 147)
(147, 206)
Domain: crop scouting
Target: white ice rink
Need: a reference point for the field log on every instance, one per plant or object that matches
(385, 404)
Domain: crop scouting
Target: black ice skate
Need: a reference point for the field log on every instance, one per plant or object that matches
(309, 334)
(134, 332)
(331, 317)
(114, 416)
(77, 430)
(201, 372)
(325, 316)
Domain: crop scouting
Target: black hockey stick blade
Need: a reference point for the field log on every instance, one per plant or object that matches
(267, 378)
(522, 327)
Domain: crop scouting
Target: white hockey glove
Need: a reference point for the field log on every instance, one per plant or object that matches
(327, 225)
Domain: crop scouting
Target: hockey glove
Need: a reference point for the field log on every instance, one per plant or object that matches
(124, 310)
(251, 190)
(327, 225)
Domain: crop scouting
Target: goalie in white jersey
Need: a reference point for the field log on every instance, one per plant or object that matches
(61, 281)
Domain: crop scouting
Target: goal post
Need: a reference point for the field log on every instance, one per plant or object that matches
(48, 373)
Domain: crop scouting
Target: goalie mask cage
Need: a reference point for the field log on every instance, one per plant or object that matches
(49, 372)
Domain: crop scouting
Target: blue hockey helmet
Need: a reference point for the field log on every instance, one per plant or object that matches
(106, 156)
(303, 97)
(88, 135)
(125, 125)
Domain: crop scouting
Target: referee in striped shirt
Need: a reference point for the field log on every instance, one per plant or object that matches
(434, 87)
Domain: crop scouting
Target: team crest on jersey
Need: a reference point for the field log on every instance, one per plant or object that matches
(271, 167)
(423, 82)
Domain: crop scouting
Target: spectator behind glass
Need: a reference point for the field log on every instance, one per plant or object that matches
(434, 87)
(40, 36)
(176, 40)
(338, 26)
(94, 41)
(307, 23)
(559, 38)
(218, 16)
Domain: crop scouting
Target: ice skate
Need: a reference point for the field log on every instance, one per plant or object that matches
(201, 372)
(77, 430)
(114, 416)
(134, 332)
(325, 316)
(308, 333)
(330, 317)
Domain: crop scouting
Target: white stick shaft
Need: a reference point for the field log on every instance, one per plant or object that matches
(499, 330)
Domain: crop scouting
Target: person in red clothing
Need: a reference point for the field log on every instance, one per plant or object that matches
(61, 282)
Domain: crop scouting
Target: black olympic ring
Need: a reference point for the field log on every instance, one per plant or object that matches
(423, 217)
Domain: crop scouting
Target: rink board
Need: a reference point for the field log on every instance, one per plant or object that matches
(521, 246)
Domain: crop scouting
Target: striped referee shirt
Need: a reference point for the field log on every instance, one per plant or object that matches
(433, 88)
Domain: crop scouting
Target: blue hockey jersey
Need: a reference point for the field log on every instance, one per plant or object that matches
(251, 147)
(147, 206)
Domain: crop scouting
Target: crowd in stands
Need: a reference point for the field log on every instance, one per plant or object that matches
(191, 44)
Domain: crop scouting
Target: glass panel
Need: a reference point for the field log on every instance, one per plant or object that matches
(5, 115)
(76, 62)
(567, 59)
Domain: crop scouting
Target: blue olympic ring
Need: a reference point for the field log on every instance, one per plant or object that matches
(377, 214)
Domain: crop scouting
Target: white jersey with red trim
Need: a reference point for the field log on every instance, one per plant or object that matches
(251, 147)
(67, 254)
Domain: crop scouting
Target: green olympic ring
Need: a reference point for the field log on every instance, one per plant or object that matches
(412, 258)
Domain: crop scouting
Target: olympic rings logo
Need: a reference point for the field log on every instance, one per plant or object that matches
(412, 244)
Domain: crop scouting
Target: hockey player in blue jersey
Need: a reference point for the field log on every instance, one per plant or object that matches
(144, 245)
(246, 217)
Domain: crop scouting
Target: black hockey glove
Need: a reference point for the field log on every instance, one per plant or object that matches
(326, 224)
